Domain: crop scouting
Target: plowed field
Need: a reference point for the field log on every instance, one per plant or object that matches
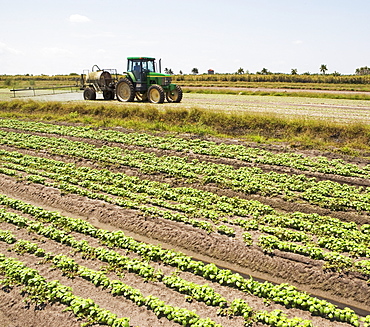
(168, 230)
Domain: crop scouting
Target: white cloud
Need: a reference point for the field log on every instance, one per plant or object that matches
(298, 42)
(5, 49)
(76, 18)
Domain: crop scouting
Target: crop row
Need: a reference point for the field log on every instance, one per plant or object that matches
(68, 266)
(200, 202)
(284, 294)
(123, 197)
(334, 260)
(234, 151)
(248, 180)
(116, 261)
(182, 316)
(42, 292)
(314, 231)
(325, 229)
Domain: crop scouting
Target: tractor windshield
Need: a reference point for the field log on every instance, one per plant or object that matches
(149, 66)
(141, 65)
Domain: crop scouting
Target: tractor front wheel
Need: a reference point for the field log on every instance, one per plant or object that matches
(174, 95)
(89, 94)
(125, 90)
(156, 94)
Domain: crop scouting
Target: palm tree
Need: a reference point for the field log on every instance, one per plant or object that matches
(240, 71)
(323, 69)
(363, 71)
(294, 71)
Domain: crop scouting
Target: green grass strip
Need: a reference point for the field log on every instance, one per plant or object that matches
(348, 138)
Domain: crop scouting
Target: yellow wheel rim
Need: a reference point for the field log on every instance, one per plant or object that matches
(155, 95)
(124, 91)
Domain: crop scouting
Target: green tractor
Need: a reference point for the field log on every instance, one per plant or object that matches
(143, 82)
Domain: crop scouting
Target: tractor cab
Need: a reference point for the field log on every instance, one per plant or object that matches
(140, 65)
(139, 69)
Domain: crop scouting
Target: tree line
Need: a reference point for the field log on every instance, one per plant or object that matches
(294, 71)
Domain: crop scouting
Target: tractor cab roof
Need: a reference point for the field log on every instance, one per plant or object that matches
(140, 58)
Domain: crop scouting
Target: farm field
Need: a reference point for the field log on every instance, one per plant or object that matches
(123, 228)
(340, 110)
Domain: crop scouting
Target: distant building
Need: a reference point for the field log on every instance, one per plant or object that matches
(211, 71)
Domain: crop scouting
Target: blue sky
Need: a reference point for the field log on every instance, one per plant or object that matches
(68, 36)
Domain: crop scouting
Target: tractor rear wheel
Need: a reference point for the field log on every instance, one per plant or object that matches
(108, 95)
(156, 94)
(125, 90)
(89, 94)
(174, 95)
